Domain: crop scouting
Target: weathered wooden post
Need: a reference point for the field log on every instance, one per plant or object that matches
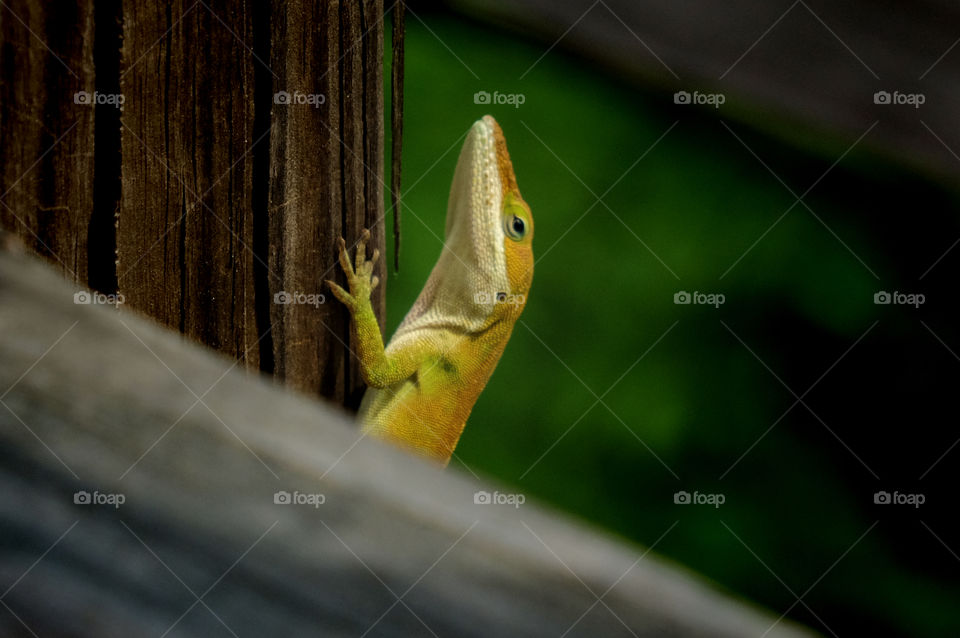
(200, 159)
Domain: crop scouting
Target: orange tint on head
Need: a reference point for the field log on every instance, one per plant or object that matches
(507, 178)
(519, 253)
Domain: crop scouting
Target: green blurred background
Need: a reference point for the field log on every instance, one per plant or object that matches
(698, 398)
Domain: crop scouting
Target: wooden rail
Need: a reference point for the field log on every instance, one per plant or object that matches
(141, 475)
(805, 70)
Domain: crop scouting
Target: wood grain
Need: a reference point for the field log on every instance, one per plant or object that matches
(396, 120)
(205, 201)
(306, 196)
(184, 232)
(47, 165)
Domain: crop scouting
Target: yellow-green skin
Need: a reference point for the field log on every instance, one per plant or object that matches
(421, 393)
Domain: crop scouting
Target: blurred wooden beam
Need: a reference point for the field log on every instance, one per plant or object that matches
(98, 403)
(806, 70)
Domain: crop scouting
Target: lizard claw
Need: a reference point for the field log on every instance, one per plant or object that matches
(344, 258)
(361, 255)
(340, 293)
(359, 274)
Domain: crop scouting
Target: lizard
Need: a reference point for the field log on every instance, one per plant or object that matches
(423, 385)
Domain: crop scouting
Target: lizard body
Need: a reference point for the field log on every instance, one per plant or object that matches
(423, 385)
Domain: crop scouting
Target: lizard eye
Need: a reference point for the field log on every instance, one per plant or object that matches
(515, 227)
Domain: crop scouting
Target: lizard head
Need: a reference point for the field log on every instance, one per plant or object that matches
(487, 255)
(515, 216)
(487, 212)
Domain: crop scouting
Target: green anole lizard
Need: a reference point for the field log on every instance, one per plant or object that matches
(423, 385)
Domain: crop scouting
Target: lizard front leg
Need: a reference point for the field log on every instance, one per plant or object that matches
(378, 369)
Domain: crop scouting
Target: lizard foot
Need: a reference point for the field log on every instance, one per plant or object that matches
(360, 277)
